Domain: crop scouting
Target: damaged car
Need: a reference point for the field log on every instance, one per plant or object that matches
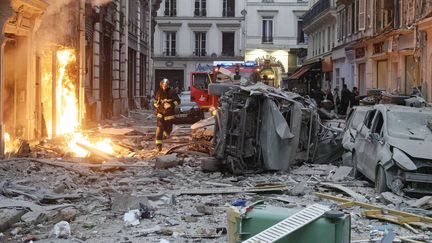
(392, 149)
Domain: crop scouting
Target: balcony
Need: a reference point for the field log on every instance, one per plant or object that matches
(317, 10)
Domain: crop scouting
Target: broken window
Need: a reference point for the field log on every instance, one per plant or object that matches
(200, 8)
(267, 29)
(228, 44)
(228, 8)
(170, 44)
(170, 8)
(369, 118)
(200, 44)
(379, 122)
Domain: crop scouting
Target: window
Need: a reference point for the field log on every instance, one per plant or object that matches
(378, 124)
(170, 44)
(412, 74)
(328, 39)
(200, 44)
(300, 32)
(200, 8)
(381, 74)
(362, 14)
(369, 118)
(267, 29)
(170, 8)
(228, 43)
(228, 8)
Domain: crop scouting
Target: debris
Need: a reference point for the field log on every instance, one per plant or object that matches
(67, 214)
(391, 198)
(123, 202)
(120, 132)
(164, 241)
(35, 213)
(299, 189)
(424, 202)
(132, 217)
(61, 230)
(241, 202)
(217, 184)
(9, 217)
(348, 191)
(189, 219)
(145, 211)
(203, 209)
(341, 173)
(30, 238)
(264, 189)
(210, 164)
(167, 161)
(171, 222)
(387, 214)
(96, 152)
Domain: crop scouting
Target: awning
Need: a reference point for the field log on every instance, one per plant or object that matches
(300, 72)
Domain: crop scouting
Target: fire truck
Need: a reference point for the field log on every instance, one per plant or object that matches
(224, 73)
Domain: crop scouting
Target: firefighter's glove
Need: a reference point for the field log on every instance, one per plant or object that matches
(167, 105)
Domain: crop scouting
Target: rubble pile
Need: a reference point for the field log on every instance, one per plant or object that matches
(168, 198)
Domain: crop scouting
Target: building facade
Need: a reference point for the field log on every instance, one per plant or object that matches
(65, 63)
(274, 36)
(319, 23)
(190, 35)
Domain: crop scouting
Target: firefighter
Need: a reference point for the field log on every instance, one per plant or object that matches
(165, 103)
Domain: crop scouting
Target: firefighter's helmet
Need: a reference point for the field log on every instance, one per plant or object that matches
(164, 83)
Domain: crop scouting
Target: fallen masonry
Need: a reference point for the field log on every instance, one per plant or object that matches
(137, 195)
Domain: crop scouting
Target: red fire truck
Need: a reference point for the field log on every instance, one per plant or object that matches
(224, 72)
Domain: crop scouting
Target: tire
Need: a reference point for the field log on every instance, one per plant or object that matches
(219, 89)
(380, 180)
(355, 172)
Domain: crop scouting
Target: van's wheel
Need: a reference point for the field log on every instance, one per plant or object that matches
(380, 180)
(355, 172)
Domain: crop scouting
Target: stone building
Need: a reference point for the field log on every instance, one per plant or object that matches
(65, 63)
(191, 35)
(274, 36)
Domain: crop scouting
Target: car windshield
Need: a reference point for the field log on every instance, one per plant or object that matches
(410, 124)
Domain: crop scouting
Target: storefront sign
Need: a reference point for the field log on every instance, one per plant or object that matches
(270, 61)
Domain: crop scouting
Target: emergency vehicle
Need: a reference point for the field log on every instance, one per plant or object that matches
(224, 72)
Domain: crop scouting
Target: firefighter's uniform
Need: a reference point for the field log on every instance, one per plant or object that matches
(165, 115)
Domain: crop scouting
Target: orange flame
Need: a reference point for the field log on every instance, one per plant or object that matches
(67, 111)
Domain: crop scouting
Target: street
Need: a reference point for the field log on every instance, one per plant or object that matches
(187, 204)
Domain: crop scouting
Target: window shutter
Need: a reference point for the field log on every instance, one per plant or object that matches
(362, 14)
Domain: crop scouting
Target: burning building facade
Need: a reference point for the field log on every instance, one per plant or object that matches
(65, 63)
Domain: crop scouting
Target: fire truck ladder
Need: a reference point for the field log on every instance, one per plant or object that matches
(289, 225)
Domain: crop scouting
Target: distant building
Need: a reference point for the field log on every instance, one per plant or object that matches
(319, 23)
(274, 36)
(190, 35)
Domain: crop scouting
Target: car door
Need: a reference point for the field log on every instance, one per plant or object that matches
(373, 143)
(362, 140)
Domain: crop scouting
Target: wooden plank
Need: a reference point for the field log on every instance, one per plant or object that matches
(421, 218)
(96, 152)
(348, 191)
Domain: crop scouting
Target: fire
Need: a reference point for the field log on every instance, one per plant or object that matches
(11, 145)
(67, 120)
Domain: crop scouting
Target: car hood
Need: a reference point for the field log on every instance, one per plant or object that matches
(414, 148)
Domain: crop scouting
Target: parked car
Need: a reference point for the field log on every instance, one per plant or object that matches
(353, 120)
(392, 148)
(189, 112)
